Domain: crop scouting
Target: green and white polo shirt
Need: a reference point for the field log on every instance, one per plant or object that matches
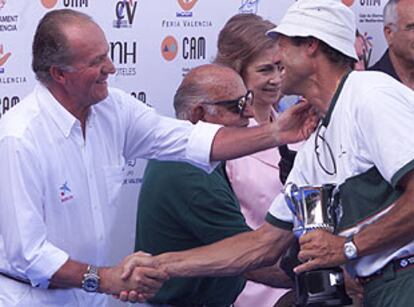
(370, 130)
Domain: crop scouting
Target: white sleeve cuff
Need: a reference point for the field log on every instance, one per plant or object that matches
(199, 145)
(41, 271)
(280, 210)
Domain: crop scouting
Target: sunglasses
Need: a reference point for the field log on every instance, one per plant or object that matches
(236, 105)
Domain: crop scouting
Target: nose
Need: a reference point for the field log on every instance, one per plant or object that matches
(108, 67)
(248, 111)
(275, 78)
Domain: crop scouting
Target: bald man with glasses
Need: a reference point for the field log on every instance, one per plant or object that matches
(195, 208)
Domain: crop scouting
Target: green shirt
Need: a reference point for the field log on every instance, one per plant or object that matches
(182, 207)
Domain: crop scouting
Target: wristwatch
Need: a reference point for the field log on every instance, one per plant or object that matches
(90, 282)
(350, 249)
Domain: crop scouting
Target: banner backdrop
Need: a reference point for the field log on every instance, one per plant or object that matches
(153, 44)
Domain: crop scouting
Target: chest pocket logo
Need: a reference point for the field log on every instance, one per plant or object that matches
(65, 192)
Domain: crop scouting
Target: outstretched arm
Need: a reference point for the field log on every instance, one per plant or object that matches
(146, 277)
(294, 125)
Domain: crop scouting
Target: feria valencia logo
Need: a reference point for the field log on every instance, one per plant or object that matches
(49, 3)
(169, 48)
(187, 5)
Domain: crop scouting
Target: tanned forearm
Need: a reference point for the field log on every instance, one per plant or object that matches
(294, 125)
(69, 275)
(394, 229)
(231, 256)
(271, 276)
(230, 142)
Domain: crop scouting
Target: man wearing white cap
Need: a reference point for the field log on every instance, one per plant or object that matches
(363, 144)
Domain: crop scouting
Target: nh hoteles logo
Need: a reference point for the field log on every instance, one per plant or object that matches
(187, 5)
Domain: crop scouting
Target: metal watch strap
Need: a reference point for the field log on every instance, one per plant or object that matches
(91, 279)
(92, 270)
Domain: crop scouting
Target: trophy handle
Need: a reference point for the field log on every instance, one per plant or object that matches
(335, 208)
(291, 190)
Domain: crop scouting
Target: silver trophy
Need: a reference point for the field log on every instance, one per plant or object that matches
(317, 207)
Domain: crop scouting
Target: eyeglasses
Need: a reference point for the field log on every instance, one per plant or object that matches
(323, 152)
(236, 105)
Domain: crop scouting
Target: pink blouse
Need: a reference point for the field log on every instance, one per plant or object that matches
(255, 181)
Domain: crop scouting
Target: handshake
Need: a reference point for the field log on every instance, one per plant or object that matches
(136, 278)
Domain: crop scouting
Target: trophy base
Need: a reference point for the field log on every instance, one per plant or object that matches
(324, 287)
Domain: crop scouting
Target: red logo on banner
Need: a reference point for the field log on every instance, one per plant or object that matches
(348, 2)
(169, 48)
(49, 3)
(187, 5)
(2, 3)
(3, 57)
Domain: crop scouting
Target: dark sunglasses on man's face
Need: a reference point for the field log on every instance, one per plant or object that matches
(236, 105)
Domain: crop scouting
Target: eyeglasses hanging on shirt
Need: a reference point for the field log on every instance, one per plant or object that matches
(323, 152)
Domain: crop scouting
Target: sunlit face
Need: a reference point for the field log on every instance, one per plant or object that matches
(227, 116)
(86, 78)
(400, 36)
(262, 76)
(295, 65)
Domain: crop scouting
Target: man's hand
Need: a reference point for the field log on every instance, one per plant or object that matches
(144, 277)
(296, 123)
(320, 249)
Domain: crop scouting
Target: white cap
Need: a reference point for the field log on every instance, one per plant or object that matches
(330, 21)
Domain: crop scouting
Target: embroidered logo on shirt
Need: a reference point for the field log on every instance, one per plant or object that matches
(65, 193)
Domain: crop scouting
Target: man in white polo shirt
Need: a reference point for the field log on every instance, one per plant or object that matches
(364, 144)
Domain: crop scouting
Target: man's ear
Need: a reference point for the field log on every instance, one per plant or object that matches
(197, 113)
(388, 34)
(57, 74)
(312, 46)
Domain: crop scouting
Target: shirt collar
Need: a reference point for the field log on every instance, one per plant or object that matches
(62, 117)
(327, 118)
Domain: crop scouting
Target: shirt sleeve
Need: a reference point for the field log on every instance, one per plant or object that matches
(279, 214)
(23, 231)
(386, 124)
(152, 136)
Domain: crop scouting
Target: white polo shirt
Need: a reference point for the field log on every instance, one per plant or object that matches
(58, 191)
(369, 128)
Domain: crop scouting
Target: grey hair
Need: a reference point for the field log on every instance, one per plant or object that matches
(50, 45)
(390, 13)
(188, 95)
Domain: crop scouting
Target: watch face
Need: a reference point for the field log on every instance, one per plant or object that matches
(350, 250)
(90, 284)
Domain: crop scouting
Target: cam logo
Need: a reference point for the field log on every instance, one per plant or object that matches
(125, 13)
(169, 48)
(65, 192)
(3, 58)
(2, 3)
(49, 3)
